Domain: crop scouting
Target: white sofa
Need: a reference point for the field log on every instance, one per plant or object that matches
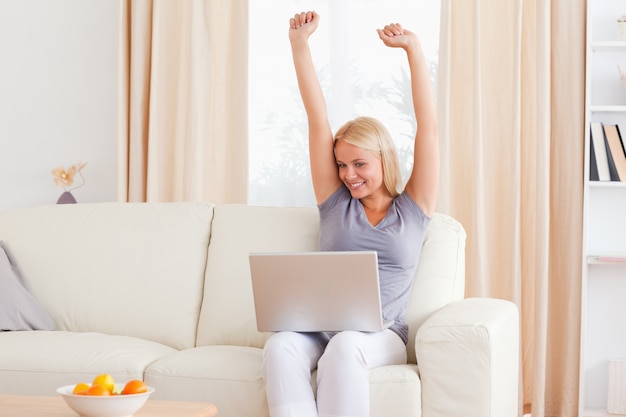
(161, 291)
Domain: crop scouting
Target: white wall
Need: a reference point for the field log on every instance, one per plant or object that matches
(58, 80)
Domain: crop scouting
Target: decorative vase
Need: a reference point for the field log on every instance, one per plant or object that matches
(66, 198)
(621, 25)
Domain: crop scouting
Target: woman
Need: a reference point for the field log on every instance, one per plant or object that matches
(362, 206)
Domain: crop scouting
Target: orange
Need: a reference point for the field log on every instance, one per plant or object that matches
(97, 390)
(106, 381)
(134, 386)
(80, 388)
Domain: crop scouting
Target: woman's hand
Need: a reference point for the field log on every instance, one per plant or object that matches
(302, 25)
(395, 36)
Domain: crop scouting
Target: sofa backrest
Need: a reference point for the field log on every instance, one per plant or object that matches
(440, 276)
(227, 316)
(132, 269)
(144, 270)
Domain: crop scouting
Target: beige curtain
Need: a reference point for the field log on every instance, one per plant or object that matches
(182, 109)
(511, 97)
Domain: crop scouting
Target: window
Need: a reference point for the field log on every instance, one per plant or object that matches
(358, 74)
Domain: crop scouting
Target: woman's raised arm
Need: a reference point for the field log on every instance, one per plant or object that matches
(423, 183)
(323, 166)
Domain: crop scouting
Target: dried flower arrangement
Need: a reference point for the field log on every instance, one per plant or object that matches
(65, 177)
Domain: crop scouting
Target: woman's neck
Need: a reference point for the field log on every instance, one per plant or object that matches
(376, 207)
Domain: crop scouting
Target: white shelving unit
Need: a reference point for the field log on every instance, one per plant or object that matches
(603, 332)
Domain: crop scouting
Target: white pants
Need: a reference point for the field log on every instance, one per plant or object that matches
(342, 362)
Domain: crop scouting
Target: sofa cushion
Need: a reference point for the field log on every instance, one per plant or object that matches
(38, 362)
(19, 309)
(134, 269)
(396, 391)
(227, 316)
(212, 374)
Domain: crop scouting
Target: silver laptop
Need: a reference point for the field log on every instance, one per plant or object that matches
(317, 291)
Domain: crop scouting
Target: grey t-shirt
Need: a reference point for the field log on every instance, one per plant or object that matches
(397, 239)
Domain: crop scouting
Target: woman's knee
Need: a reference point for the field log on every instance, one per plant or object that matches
(344, 349)
(280, 344)
(291, 348)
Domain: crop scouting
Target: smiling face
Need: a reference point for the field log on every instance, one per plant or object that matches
(367, 159)
(360, 170)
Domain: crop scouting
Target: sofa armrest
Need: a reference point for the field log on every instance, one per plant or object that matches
(468, 358)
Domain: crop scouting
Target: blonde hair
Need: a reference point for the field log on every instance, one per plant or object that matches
(369, 133)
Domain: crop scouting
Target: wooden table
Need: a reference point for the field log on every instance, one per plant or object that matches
(30, 406)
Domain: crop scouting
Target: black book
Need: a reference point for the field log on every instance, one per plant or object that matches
(593, 166)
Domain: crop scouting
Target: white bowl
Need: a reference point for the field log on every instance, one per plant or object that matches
(104, 406)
